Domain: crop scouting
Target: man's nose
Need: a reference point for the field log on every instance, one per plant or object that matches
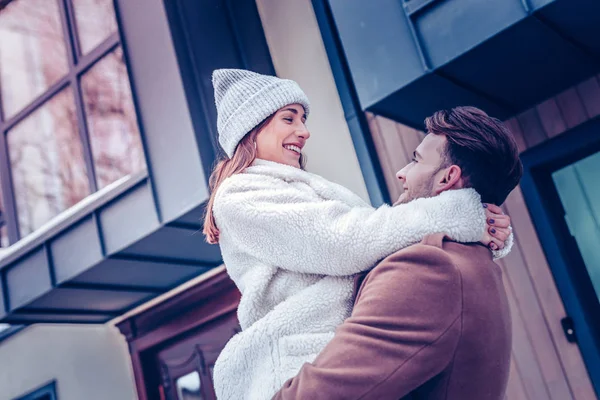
(401, 175)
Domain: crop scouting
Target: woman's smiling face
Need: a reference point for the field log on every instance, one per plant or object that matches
(283, 137)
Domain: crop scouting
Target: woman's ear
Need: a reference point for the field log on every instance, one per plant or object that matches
(448, 178)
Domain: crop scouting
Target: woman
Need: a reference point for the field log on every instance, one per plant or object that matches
(292, 240)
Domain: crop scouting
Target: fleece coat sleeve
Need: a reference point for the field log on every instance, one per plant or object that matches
(293, 229)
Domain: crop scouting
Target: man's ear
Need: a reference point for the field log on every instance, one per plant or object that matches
(448, 178)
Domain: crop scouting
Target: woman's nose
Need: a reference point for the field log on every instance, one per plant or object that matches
(303, 133)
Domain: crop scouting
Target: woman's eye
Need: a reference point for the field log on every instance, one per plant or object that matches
(289, 119)
(414, 160)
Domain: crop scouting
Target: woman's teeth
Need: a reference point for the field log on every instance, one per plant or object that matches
(293, 148)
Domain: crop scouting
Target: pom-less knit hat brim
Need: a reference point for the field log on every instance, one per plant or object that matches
(244, 99)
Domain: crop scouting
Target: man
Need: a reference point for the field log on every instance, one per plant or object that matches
(431, 321)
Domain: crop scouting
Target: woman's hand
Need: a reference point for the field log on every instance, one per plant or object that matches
(497, 227)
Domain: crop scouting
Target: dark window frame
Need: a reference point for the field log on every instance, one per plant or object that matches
(546, 210)
(78, 65)
(47, 390)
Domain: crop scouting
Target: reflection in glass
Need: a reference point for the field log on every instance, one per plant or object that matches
(46, 157)
(188, 387)
(95, 21)
(578, 187)
(112, 124)
(33, 55)
(4, 236)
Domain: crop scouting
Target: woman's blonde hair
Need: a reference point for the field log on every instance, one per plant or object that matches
(243, 157)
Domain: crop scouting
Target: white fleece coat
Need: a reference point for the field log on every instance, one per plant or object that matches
(291, 241)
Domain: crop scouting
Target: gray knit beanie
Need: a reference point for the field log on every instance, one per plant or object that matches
(244, 99)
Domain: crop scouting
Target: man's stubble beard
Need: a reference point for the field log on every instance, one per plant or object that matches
(422, 191)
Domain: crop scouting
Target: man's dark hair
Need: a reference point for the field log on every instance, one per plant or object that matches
(482, 147)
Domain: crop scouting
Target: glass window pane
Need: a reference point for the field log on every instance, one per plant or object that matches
(4, 236)
(578, 187)
(112, 124)
(46, 157)
(95, 22)
(188, 387)
(33, 55)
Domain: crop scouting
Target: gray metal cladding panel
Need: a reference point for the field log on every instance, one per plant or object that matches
(537, 4)
(413, 103)
(28, 318)
(138, 273)
(128, 219)
(578, 20)
(522, 66)
(194, 217)
(170, 143)
(76, 250)
(177, 244)
(71, 299)
(379, 47)
(448, 29)
(28, 278)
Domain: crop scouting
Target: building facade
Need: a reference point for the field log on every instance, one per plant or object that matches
(109, 135)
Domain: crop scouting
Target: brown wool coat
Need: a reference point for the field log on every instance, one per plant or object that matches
(430, 322)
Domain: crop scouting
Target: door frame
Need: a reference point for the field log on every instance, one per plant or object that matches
(171, 320)
(547, 214)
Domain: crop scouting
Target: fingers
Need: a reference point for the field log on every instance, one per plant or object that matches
(498, 221)
(501, 234)
(492, 242)
(498, 227)
(494, 209)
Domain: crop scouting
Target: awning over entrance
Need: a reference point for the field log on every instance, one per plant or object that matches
(142, 236)
(101, 258)
(409, 58)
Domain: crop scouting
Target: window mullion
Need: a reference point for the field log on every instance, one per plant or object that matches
(70, 34)
(86, 61)
(8, 197)
(9, 212)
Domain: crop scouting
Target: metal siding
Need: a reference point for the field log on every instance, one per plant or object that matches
(428, 94)
(109, 301)
(27, 278)
(29, 318)
(573, 19)
(76, 249)
(536, 4)
(128, 219)
(170, 143)
(500, 55)
(449, 28)
(377, 41)
(514, 69)
(177, 244)
(138, 273)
